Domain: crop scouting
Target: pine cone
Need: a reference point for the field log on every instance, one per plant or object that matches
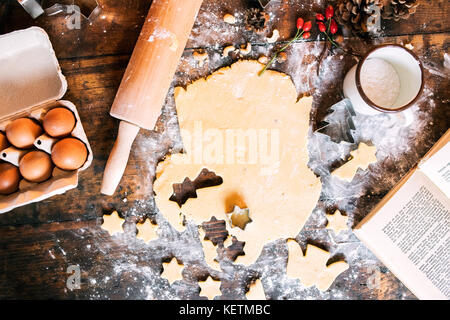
(256, 20)
(399, 9)
(356, 14)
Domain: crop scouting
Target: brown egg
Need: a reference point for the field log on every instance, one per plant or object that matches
(4, 143)
(22, 132)
(36, 166)
(9, 178)
(59, 122)
(69, 154)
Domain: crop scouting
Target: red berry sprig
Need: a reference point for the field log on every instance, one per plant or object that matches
(303, 31)
(327, 25)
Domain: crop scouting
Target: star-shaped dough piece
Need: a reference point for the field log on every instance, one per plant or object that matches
(209, 288)
(172, 271)
(113, 223)
(337, 222)
(147, 231)
(361, 158)
(240, 217)
(209, 250)
(312, 268)
(256, 291)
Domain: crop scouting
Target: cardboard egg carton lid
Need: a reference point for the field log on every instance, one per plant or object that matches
(29, 71)
(31, 83)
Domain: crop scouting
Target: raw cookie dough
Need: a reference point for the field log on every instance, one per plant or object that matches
(312, 268)
(337, 222)
(113, 223)
(266, 172)
(147, 231)
(172, 271)
(256, 291)
(209, 288)
(361, 158)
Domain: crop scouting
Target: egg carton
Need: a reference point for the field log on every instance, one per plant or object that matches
(31, 84)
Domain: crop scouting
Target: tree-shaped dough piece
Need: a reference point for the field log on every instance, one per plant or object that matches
(147, 231)
(361, 158)
(256, 291)
(172, 271)
(337, 222)
(113, 223)
(312, 268)
(209, 288)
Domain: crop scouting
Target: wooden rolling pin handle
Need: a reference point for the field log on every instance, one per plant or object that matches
(118, 159)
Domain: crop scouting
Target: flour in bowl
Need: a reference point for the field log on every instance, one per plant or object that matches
(380, 82)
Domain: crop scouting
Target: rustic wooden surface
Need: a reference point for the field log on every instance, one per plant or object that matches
(39, 241)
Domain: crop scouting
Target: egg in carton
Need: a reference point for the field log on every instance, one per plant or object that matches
(31, 84)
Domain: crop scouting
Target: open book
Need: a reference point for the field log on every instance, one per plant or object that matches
(409, 230)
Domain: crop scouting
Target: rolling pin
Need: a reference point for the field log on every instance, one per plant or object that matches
(147, 78)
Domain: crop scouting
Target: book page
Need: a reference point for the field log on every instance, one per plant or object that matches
(437, 168)
(411, 236)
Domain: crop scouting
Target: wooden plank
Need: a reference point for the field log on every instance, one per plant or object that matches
(117, 27)
(38, 242)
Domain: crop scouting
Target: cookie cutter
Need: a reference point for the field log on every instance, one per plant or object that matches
(264, 3)
(85, 7)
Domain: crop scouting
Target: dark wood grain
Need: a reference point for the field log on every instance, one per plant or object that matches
(33, 262)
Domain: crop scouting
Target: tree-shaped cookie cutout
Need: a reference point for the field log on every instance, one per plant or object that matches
(209, 288)
(256, 291)
(312, 268)
(147, 231)
(337, 222)
(113, 223)
(360, 158)
(172, 271)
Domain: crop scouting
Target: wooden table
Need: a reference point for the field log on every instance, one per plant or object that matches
(40, 241)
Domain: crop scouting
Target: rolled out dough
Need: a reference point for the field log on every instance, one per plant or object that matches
(113, 223)
(256, 291)
(251, 131)
(172, 271)
(147, 231)
(210, 288)
(337, 222)
(361, 158)
(311, 268)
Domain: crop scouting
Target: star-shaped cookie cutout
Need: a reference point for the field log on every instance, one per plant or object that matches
(113, 223)
(234, 249)
(209, 250)
(172, 271)
(256, 291)
(360, 158)
(312, 268)
(147, 231)
(215, 231)
(209, 288)
(337, 222)
(240, 217)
